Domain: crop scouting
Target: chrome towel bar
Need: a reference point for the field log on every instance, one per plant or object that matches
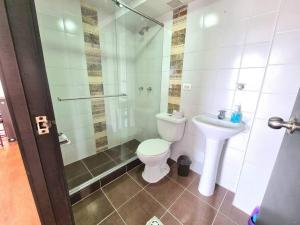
(91, 97)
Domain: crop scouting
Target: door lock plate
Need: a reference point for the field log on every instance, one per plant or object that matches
(42, 125)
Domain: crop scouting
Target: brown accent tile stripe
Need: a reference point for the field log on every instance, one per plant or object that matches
(177, 55)
(93, 59)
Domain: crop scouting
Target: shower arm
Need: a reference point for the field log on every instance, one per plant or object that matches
(121, 4)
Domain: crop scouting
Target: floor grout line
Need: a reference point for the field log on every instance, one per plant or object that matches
(113, 180)
(86, 197)
(218, 210)
(166, 209)
(133, 196)
(106, 217)
(236, 223)
(86, 168)
(185, 189)
(100, 188)
(137, 181)
(222, 201)
(202, 200)
(111, 158)
(114, 207)
(107, 155)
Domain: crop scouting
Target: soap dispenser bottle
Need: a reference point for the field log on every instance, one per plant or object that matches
(236, 116)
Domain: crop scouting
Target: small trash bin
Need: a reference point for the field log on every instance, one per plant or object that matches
(184, 164)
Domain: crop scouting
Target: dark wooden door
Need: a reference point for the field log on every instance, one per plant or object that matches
(25, 85)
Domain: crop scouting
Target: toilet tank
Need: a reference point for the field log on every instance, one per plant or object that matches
(170, 128)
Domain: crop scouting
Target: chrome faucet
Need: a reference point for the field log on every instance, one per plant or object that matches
(222, 114)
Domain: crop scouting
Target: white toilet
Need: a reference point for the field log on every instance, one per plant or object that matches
(155, 152)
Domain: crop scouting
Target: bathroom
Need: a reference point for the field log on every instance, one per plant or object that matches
(117, 70)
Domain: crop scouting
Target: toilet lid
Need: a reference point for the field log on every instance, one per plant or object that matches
(153, 147)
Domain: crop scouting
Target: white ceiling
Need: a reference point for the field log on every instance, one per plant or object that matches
(132, 21)
(157, 8)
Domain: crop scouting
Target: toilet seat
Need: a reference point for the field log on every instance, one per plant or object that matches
(153, 147)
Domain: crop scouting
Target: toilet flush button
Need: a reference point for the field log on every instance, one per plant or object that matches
(186, 86)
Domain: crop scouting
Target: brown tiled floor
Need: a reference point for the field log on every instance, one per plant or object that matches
(99, 163)
(215, 200)
(122, 189)
(83, 170)
(76, 174)
(129, 200)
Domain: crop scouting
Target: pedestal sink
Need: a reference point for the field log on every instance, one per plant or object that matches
(216, 131)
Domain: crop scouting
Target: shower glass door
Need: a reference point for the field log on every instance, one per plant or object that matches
(103, 64)
(139, 50)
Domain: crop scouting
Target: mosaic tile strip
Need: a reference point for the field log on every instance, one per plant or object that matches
(93, 59)
(98, 109)
(99, 127)
(101, 142)
(176, 65)
(172, 107)
(175, 90)
(89, 15)
(96, 89)
(177, 55)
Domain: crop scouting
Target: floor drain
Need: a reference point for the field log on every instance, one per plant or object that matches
(154, 221)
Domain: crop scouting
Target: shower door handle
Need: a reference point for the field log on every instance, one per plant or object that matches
(63, 139)
(278, 123)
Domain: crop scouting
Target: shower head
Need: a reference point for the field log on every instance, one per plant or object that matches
(143, 30)
(119, 4)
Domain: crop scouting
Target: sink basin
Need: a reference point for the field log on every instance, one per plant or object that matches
(214, 128)
(216, 132)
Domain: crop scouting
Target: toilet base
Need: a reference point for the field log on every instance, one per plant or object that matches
(153, 174)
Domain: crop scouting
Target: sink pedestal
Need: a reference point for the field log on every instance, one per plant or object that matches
(213, 152)
(216, 132)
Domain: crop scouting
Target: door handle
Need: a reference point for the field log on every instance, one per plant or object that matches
(63, 139)
(277, 123)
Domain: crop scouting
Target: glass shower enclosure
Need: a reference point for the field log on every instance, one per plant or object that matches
(103, 63)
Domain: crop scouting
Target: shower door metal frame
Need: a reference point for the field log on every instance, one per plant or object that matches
(122, 4)
(25, 85)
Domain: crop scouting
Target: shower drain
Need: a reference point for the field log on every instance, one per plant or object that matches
(154, 221)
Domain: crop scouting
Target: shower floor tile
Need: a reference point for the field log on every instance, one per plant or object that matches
(76, 173)
(120, 153)
(133, 144)
(99, 163)
(173, 200)
(83, 170)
